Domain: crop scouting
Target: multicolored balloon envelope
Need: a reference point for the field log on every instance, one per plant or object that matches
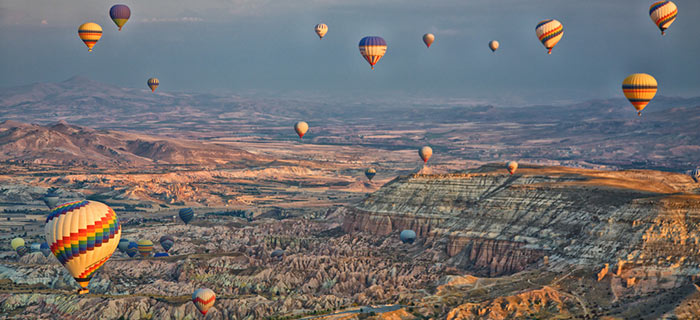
(321, 30)
(663, 13)
(370, 173)
(695, 174)
(153, 83)
(186, 214)
(22, 251)
(425, 153)
(549, 32)
(639, 88)
(82, 235)
(301, 127)
(512, 166)
(145, 248)
(120, 14)
(90, 33)
(203, 299)
(372, 49)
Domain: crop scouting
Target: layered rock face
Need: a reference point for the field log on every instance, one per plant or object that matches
(491, 223)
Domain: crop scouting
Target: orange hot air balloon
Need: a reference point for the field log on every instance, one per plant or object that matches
(639, 88)
(301, 127)
(512, 166)
(90, 33)
(428, 39)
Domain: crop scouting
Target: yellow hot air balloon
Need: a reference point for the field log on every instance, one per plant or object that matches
(639, 88)
(16, 243)
(301, 127)
(512, 166)
(428, 38)
(321, 30)
(82, 235)
(493, 45)
(90, 33)
(663, 13)
(425, 153)
(153, 83)
(549, 32)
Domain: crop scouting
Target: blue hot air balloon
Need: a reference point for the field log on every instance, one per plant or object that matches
(695, 175)
(161, 254)
(133, 249)
(408, 236)
(45, 249)
(186, 214)
(166, 242)
(120, 14)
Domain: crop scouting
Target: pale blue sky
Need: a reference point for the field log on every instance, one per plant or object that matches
(270, 46)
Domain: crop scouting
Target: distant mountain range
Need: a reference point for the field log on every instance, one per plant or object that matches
(603, 132)
(65, 144)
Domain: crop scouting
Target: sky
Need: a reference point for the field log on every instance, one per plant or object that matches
(269, 46)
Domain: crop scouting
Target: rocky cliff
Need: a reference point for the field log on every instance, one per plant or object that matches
(491, 223)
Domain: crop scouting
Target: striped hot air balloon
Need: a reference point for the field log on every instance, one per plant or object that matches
(639, 88)
(203, 299)
(82, 235)
(663, 13)
(166, 242)
(493, 45)
(370, 173)
(22, 251)
(132, 249)
(549, 32)
(186, 214)
(321, 30)
(145, 247)
(425, 153)
(301, 127)
(119, 13)
(90, 33)
(428, 39)
(695, 174)
(153, 83)
(372, 49)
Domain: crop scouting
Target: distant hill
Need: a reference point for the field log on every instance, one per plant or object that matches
(65, 144)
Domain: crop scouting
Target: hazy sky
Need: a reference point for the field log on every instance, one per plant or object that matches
(270, 46)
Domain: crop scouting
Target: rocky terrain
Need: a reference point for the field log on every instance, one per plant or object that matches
(546, 242)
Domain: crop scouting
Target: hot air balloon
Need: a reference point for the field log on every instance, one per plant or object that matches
(90, 33)
(119, 13)
(639, 88)
(82, 235)
(695, 175)
(550, 32)
(372, 49)
(16, 243)
(45, 249)
(145, 247)
(51, 198)
(277, 254)
(512, 166)
(301, 127)
(153, 83)
(493, 45)
(428, 38)
(203, 299)
(161, 254)
(370, 173)
(123, 244)
(321, 30)
(425, 153)
(407, 236)
(166, 242)
(132, 249)
(35, 247)
(663, 13)
(186, 214)
(22, 251)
